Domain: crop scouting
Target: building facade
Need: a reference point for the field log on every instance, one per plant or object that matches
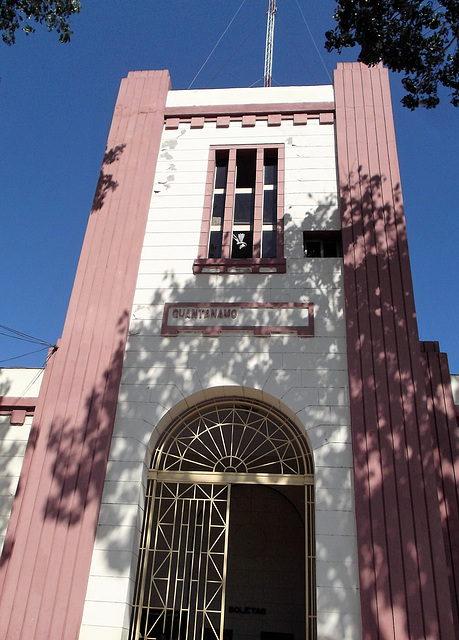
(240, 435)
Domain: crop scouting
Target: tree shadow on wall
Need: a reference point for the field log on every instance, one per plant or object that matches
(78, 448)
(391, 438)
(389, 431)
(11, 449)
(397, 507)
(106, 183)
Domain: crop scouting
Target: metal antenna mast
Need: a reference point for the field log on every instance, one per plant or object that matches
(269, 43)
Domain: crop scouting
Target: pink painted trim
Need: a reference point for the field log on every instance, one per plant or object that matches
(229, 204)
(256, 264)
(274, 120)
(301, 330)
(245, 110)
(443, 425)
(50, 541)
(9, 403)
(280, 205)
(258, 207)
(9, 544)
(327, 117)
(378, 227)
(421, 476)
(394, 478)
(430, 346)
(248, 146)
(222, 266)
(346, 136)
(172, 123)
(18, 417)
(223, 122)
(249, 121)
(300, 118)
(207, 213)
(197, 122)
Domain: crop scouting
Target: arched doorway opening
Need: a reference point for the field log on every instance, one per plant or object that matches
(227, 549)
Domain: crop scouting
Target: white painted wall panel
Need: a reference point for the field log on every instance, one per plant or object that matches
(307, 375)
(14, 383)
(17, 382)
(321, 93)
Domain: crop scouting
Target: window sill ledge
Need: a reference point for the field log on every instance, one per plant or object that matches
(218, 266)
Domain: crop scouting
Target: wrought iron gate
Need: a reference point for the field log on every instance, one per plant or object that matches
(180, 587)
(184, 550)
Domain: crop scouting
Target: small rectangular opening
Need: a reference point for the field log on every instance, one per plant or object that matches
(322, 244)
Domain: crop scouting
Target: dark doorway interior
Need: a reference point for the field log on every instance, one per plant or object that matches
(265, 588)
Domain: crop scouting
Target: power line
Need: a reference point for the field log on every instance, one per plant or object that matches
(313, 41)
(19, 335)
(237, 50)
(23, 355)
(298, 51)
(39, 372)
(34, 379)
(269, 43)
(218, 42)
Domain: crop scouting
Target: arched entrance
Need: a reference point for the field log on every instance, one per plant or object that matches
(227, 549)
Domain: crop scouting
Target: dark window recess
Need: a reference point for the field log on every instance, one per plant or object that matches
(218, 204)
(269, 244)
(273, 635)
(322, 244)
(246, 168)
(242, 246)
(246, 219)
(221, 169)
(243, 208)
(270, 162)
(215, 244)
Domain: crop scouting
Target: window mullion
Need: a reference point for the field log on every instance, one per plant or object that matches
(207, 217)
(243, 221)
(280, 202)
(229, 205)
(258, 210)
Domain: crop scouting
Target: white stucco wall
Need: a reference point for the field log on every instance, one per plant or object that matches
(20, 382)
(14, 383)
(308, 375)
(455, 388)
(255, 95)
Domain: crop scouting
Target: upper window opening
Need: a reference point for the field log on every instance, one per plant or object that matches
(245, 168)
(322, 244)
(245, 212)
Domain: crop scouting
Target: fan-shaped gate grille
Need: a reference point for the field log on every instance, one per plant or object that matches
(235, 435)
(180, 589)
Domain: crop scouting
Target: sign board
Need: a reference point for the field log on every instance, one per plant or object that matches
(263, 319)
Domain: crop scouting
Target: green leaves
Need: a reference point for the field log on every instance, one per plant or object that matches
(418, 38)
(21, 14)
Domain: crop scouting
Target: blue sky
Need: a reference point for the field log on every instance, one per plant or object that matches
(56, 104)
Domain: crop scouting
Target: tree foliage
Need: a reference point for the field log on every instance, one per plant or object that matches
(416, 37)
(21, 14)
